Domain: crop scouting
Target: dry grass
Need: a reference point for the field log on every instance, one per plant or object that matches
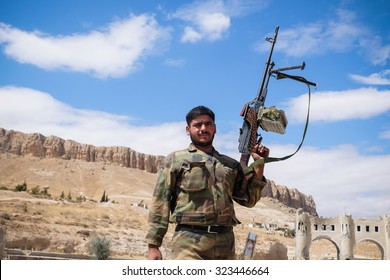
(67, 227)
(57, 226)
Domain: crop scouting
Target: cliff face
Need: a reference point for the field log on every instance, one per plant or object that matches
(38, 145)
(290, 197)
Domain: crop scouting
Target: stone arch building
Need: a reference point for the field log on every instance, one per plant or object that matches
(343, 231)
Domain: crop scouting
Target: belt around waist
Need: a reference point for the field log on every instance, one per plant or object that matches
(205, 229)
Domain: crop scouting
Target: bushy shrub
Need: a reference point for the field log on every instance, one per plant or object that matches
(5, 216)
(36, 190)
(99, 247)
(21, 187)
(289, 233)
(80, 198)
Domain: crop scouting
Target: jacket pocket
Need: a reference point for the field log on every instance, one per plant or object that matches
(195, 177)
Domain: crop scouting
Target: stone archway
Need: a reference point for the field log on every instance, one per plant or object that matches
(367, 242)
(325, 246)
(343, 231)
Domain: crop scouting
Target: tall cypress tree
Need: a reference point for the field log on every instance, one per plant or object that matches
(103, 199)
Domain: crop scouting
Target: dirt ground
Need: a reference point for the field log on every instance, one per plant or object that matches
(66, 225)
(41, 224)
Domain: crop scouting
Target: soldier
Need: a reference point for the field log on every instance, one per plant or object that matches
(195, 190)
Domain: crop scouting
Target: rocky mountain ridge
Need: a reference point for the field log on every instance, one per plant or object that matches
(37, 145)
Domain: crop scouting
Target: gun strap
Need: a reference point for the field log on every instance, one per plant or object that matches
(273, 159)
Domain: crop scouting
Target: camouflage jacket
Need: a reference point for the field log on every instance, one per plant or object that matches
(196, 188)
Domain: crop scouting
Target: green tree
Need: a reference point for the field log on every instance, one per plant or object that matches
(103, 199)
(69, 197)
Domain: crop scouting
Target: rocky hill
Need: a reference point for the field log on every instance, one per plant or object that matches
(52, 147)
(35, 144)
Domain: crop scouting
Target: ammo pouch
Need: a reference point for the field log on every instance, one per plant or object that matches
(273, 119)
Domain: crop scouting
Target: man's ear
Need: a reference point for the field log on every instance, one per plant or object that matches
(187, 130)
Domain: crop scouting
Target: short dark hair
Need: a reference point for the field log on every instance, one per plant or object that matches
(197, 111)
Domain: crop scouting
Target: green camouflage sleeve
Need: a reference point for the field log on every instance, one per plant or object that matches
(159, 211)
(255, 185)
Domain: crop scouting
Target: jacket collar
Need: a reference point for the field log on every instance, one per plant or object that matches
(193, 149)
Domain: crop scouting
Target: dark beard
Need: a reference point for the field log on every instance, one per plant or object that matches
(202, 144)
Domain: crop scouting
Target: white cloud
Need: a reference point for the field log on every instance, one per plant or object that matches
(340, 179)
(377, 52)
(359, 103)
(174, 62)
(32, 111)
(213, 25)
(381, 78)
(190, 35)
(113, 51)
(340, 34)
(385, 135)
(211, 20)
(207, 26)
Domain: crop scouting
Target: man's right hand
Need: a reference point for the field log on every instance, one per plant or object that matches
(154, 253)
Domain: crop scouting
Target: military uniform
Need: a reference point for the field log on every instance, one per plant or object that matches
(195, 191)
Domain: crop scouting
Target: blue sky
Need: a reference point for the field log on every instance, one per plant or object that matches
(125, 73)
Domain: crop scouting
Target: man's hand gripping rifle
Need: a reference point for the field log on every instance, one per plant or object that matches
(256, 115)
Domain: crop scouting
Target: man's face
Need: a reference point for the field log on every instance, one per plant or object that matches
(201, 131)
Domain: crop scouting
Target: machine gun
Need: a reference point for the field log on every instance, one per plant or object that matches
(271, 119)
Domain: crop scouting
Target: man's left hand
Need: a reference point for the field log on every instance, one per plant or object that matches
(260, 151)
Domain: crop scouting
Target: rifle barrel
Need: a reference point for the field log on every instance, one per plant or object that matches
(262, 92)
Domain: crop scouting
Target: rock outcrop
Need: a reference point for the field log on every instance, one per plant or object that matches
(290, 197)
(36, 144)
